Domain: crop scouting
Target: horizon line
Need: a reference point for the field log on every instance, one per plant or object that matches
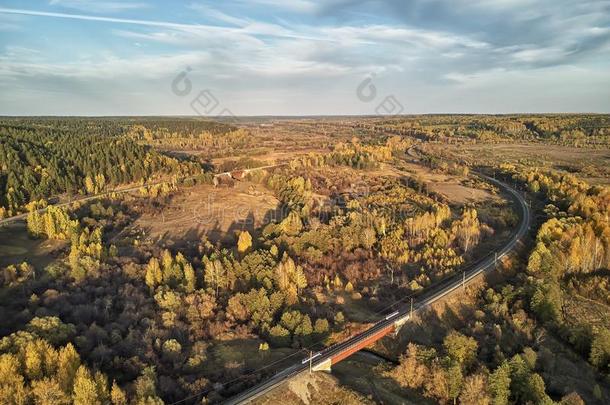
(228, 118)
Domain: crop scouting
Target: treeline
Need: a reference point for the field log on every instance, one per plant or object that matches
(566, 129)
(361, 156)
(87, 249)
(165, 127)
(40, 159)
(214, 140)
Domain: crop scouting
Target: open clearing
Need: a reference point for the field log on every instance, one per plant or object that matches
(449, 186)
(16, 247)
(593, 164)
(215, 213)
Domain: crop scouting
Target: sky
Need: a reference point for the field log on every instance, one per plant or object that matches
(303, 57)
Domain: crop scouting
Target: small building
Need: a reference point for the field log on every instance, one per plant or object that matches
(239, 174)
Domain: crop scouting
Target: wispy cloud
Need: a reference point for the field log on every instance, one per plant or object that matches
(375, 34)
(86, 17)
(28, 63)
(254, 28)
(98, 6)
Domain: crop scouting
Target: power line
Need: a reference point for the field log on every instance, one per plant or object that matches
(211, 389)
(371, 318)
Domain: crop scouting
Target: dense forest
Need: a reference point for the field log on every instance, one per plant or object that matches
(575, 130)
(570, 261)
(42, 158)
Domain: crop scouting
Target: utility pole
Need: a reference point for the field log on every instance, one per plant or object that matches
(464, 280)
(310, 361)
(411, 311)
(496, 260)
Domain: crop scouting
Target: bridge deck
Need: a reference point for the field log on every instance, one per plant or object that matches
(361, 344)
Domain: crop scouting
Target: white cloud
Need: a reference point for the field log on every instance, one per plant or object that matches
(106, 67)
(379, 34)
(540, 55)
(215, 14)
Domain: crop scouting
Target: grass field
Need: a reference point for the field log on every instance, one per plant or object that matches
(591, 165)
(16, 246)
(214, 213)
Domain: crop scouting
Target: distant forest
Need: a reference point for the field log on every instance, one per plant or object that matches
(44, 157)
(563, 129)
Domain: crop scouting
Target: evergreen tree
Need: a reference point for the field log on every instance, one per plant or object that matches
(499, 384)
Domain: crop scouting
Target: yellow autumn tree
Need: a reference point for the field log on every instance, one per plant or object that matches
(117, 395)
(244, 242)
(89, 185)
(153, 276)
(12, 383)
(68, 362)
(467, 230)
(290, 279)
(85, 388)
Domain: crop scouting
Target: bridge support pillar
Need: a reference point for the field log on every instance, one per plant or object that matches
(324, 366)
(399, 323)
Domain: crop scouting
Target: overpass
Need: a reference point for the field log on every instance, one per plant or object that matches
(391, 323)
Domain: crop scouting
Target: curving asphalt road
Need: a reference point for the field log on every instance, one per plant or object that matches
(439, 291)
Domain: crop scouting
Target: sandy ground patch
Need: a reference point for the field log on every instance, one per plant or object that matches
(315, 388)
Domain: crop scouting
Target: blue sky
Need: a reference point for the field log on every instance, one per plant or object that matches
(303, 57)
